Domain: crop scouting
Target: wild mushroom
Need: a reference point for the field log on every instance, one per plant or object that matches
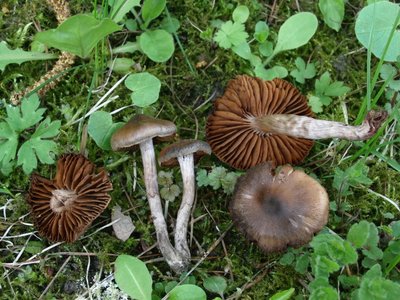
(141, 130)
(257, 121)
(63, 208)
(279, 210)
(185, 153)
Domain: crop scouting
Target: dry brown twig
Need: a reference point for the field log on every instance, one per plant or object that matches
(65, 60)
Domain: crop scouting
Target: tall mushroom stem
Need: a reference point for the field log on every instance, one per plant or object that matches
(175, 260)
(186, 164)
(309, 128)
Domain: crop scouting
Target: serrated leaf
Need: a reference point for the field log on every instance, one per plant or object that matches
(79, 34)
(315, 103)
(333, 12)
(202, 178)
(101, 128)
(145, 87)
(240, 14)
(326, 293)
(119, 8)
(231, 34)
(28, 114)
(157, 44)
(133, 277)
(19, 56)
(303, 71)
(8, 147)
(38, 146)
(151, 9)
(215, 177)
(358, 234)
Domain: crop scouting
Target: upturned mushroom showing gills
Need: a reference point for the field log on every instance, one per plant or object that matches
(279, 210)
(64, 207)
(141, 130)
(185, 153)
(257, 121)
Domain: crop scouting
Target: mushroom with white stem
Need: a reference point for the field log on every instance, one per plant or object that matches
(185, 153)
(141, 130)
(257, 121)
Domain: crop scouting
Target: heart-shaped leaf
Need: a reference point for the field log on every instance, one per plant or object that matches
(145, 87)
(374, 25)
(79, 34)
(101, 128)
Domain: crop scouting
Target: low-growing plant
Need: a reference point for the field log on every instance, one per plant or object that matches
(333, 12)
(217, 178)
(34, 146)
(295, 32)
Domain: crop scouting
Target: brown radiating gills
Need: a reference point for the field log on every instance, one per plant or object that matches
(234, 139)
(63, 208)
(281, 210)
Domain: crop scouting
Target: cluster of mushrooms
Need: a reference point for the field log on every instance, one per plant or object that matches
(263, 126)
(258, 125)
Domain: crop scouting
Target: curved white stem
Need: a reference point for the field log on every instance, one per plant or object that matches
(310, 128)
(186, 164)
(174, 258)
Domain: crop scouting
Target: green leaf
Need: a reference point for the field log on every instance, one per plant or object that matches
(8, 147)
(283, 295)
(215, 284)
(215, 177)
(202, 178)
(261, 32)
(38, 146)
(302, 263)
(303, 71)
(315, 103)
(101, 128)
(333, 12)
(231, 34)
(151, 9)
(266, 49)
(170, 24)
(121, 65)
(145, 87)
(79, 34)
(243, 50)
(296, 31)
(119, 8)
(326, 293)
(240, 14)
(353, 176)
(358, 234)
(373, 26)
(269, 74)
(128, 47)
(157, 44)
(187, 292)
(229, 181)
(19, 56)
(22, 117)
(133, 277)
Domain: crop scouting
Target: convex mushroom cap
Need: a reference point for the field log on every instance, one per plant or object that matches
(140, 128)
(232, 135)
(63, 208)
(168, 156)
(279, 210)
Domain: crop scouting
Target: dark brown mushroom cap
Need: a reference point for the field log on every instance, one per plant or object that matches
(63, 208)
(140, 128)
(231, 135)
(281, 210)
(168, 156)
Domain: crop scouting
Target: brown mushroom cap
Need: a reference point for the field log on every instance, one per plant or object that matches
(168, 156)
(63, 208)
(236, 142)
(140, 128)
(281, 210)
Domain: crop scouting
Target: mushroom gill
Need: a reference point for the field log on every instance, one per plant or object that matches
(64, 207)
(230, 128)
